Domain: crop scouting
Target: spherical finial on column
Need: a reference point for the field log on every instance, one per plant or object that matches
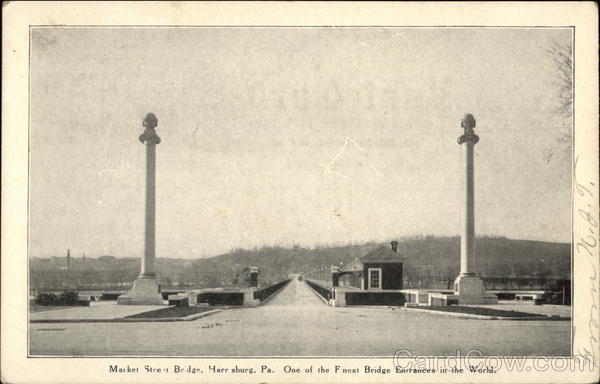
(468, 122)
(150, 121)
(149, 136)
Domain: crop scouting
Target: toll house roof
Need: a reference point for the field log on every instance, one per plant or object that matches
(383, 254)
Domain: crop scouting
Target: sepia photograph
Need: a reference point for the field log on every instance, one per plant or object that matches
(304, 201)
(300, 191)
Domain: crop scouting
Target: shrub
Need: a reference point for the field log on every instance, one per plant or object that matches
(69, 298)
(44, 298)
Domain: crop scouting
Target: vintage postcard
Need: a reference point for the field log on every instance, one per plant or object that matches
(297, 192)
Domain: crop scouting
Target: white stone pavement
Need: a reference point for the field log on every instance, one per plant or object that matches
(297, 323)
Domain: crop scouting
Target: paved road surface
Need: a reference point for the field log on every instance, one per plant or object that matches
(296, 294)
(297, 323)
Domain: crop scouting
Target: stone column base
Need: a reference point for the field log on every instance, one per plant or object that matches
(249, 300)
(340, 298)
(337, 303)
(470, 290)
(145, 291)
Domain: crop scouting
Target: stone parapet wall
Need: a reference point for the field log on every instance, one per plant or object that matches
(266, 293)
(344, 296)
(223, 297)
(320, 287)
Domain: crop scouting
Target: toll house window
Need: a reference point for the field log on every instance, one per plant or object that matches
(375, 278)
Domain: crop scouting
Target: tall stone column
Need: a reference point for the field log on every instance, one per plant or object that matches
(146, 289)
(467, 243)
(468, 286)
(151, 140)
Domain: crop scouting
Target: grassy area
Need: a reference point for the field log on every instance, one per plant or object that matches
(481, 311)
(169, 312)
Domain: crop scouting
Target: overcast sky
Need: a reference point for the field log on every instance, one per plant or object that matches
(281, 136)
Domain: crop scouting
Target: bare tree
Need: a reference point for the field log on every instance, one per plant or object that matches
(562, 58)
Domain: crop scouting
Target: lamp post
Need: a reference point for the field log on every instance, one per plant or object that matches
(335, 276)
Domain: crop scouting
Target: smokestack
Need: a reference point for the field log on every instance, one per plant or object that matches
(394, 246)
(68, 259)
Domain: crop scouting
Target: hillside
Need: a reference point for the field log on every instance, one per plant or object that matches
(431, 259)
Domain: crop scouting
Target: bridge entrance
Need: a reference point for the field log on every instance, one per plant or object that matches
(296, 293)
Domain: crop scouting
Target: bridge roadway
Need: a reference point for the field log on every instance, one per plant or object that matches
(295, 294)
(297, 323)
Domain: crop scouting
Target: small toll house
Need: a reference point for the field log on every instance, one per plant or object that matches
(379, 269)
(374, 279)
(382, 268)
